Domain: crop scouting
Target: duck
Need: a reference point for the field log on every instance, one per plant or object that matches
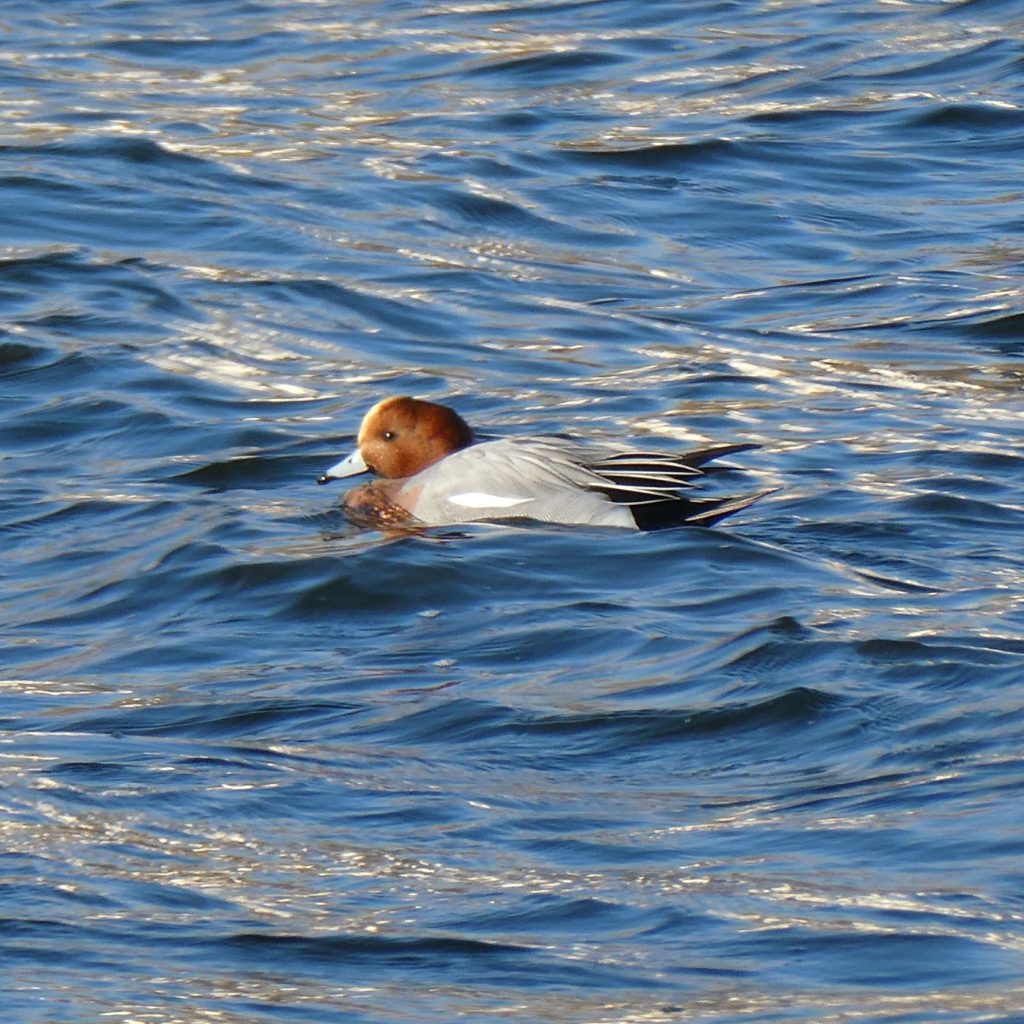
(433, 471)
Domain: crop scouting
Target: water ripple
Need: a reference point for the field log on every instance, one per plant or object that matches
(259, 764)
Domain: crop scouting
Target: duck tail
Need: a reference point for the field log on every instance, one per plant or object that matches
(678, 511)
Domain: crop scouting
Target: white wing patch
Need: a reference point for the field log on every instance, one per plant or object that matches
(477, 499)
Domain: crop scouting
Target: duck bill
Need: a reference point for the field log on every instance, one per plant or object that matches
(351, 465)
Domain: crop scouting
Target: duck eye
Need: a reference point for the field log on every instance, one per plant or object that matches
(389, 435)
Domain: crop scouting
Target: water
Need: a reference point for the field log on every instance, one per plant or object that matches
(262, 766)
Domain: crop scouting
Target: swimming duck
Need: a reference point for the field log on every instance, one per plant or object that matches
(433, 473)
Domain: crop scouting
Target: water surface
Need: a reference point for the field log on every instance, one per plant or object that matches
(260, 765)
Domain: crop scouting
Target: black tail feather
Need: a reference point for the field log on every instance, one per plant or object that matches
(702, 456)
(646, 478)
(676, 511)
(650, 484)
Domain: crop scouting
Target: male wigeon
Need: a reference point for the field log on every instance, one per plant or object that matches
(434, 474)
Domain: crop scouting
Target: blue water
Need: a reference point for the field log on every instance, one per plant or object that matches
(260, 765)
